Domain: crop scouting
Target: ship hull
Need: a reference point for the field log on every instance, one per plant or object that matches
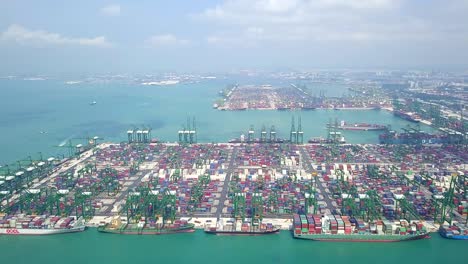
(362, 128)
(39, 232)
(459, 237)
(455, 237)
(361, 237)
(146, 231)
(450, 235)
(240, 233)
(406, 117)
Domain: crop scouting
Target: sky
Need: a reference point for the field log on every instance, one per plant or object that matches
(92, 36)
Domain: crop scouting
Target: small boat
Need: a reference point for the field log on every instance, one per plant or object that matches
(93, 103)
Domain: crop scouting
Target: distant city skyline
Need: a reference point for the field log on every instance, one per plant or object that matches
(86, 37)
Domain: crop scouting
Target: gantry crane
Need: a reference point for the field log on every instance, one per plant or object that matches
(31, 201)
(239, 206)
(4, 201)
(169, 206)
(404, 209)
(83, 203)
(444, 203)
(256, 210)
(310, 195)
(110, 181)
(273, 200)
(133, 207)
(371, 209)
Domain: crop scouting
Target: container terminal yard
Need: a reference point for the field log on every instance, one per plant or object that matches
(268, 97)
(258, 183)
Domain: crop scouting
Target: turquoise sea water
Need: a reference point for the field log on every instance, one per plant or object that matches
(63, 111)
(93, 247)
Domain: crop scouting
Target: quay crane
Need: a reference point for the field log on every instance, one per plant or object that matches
(293, 132)
(239, 206)
(83, 203)
(370, 211)
(256, 210)
(109, 180)
(310, 195)
(188, 134)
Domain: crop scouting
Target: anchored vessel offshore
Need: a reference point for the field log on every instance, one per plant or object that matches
(346, 229)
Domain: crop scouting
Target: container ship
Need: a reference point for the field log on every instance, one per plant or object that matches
(40, 225)
(412, 117)
(359, 126)
(117, 226)
(231, 228)
(457, 232)
(349, 229)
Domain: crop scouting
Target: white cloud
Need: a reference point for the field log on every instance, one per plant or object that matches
(26, 36)
(165, 40)
(322, 20)
(111, 10)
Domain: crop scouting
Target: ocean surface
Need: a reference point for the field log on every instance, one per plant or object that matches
(63, 112)
(93, 247)
(37, 116)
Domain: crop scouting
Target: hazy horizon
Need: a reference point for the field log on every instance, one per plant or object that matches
(95, 37)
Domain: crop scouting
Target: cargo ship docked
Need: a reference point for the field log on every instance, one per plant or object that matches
(412, 117)
(359, 126)
(40, 225)
(457, 232)
(348, 229)
(232, 228)
(117, 226)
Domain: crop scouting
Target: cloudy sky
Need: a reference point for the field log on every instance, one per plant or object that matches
(91, 36)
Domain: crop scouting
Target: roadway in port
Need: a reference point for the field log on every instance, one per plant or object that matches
(307, 165)
(224, 192)
(122, 195)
